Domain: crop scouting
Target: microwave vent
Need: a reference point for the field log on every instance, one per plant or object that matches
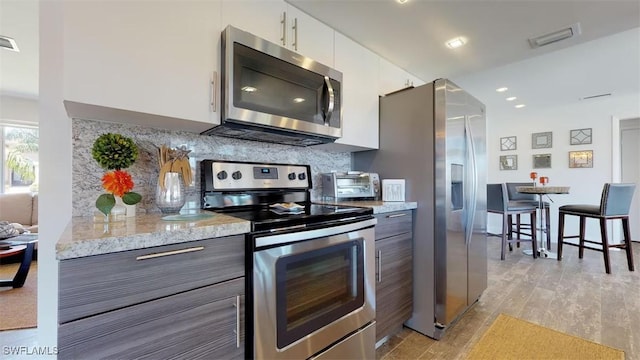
(255, 133)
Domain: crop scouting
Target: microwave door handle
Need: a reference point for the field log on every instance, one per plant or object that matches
(329, 113)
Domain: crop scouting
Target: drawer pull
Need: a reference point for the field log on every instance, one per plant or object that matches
(237, 330)
(168, 253)
(396, 215)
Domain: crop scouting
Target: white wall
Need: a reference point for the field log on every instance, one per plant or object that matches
(55, 168)
(586, 183)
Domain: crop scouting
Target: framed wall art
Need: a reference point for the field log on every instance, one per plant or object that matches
(542, 161)
(509, 162)
(508, 143)
(580, 136)
(581, 159)
(542, 140)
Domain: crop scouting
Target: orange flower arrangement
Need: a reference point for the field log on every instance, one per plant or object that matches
(115, 152)
(117, 182)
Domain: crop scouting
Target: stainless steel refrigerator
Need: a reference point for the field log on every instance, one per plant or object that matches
(434, 136)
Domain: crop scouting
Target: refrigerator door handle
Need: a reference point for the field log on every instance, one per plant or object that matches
(471, 150)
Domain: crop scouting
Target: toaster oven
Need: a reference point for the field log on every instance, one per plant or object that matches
(351, 185)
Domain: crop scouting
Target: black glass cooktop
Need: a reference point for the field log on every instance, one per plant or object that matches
(312, 214)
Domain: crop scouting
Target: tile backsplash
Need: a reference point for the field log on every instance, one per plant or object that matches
(87, 173)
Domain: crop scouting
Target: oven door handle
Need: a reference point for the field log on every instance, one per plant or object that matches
(312, 234)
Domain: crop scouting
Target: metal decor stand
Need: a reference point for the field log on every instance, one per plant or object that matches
(543, 252)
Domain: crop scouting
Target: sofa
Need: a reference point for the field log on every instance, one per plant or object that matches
(20, 208)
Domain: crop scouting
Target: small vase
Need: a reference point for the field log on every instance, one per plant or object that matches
(116, 214)
(130, 210)
(171, 198)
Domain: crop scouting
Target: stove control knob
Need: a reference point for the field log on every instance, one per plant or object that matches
(292, 176)
(237, 175)
(302, 176)
(221, 175)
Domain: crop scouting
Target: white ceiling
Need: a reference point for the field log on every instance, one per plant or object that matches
(605, 58)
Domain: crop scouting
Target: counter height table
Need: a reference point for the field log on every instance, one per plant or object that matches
(541, 191)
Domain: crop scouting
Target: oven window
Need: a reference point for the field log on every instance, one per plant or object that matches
(318, 287)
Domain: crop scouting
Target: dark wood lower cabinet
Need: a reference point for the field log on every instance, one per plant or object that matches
(197, 324)
(182, 301)
(394, 272)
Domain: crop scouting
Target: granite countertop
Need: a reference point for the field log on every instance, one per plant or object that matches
(84, 237)
(379, 207)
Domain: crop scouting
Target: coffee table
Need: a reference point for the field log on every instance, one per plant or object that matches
(23, 246)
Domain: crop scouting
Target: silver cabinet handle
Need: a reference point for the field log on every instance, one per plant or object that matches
(396, 215)
(379, 265)
(284, 28)
(237, 330)
(295, 34)
(169, 253)
(214, 92)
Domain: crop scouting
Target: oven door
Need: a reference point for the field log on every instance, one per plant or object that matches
(311, 292)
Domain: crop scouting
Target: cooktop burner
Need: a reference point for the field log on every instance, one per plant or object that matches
(312, 214)
(248, 190)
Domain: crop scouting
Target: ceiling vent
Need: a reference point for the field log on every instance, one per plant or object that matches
(550, 38)
(8, 43)
(595, 96)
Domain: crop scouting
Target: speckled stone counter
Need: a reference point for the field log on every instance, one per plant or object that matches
(84, 237)
(379, 207)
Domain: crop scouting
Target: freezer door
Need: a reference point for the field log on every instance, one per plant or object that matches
(460, 233)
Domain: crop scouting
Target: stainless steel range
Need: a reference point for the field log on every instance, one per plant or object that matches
(310, 267)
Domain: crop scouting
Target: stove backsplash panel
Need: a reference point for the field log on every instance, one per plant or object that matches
(87, 173)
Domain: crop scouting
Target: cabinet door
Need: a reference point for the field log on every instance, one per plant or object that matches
(204, 323)
(393, 78)
(310, 37)
(394, 283)
(359, 68)
(155, 58)
(263, 18)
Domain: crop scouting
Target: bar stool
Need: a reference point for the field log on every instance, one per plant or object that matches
(498, 203)
(614, 204)
(530, 199)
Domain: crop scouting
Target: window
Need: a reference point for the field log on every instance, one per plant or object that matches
(19, 170)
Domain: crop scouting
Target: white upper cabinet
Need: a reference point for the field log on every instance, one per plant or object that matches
(263, 18)
(310, 37)
(150, 62)
(393, 78)
(359, 68)
(281, 24)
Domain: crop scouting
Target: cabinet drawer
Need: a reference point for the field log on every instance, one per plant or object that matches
(393, 223)
(95, 284)
(200, 323)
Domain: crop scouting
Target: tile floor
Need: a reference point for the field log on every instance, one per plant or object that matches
(573, 296)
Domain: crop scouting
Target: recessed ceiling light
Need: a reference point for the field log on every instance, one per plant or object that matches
(511, 98)
(520, 106)
(249, 89)
(402, 1)
(298, 100)
(502, 89)
(456, 43)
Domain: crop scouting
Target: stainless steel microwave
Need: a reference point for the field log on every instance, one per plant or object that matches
(275, 95)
